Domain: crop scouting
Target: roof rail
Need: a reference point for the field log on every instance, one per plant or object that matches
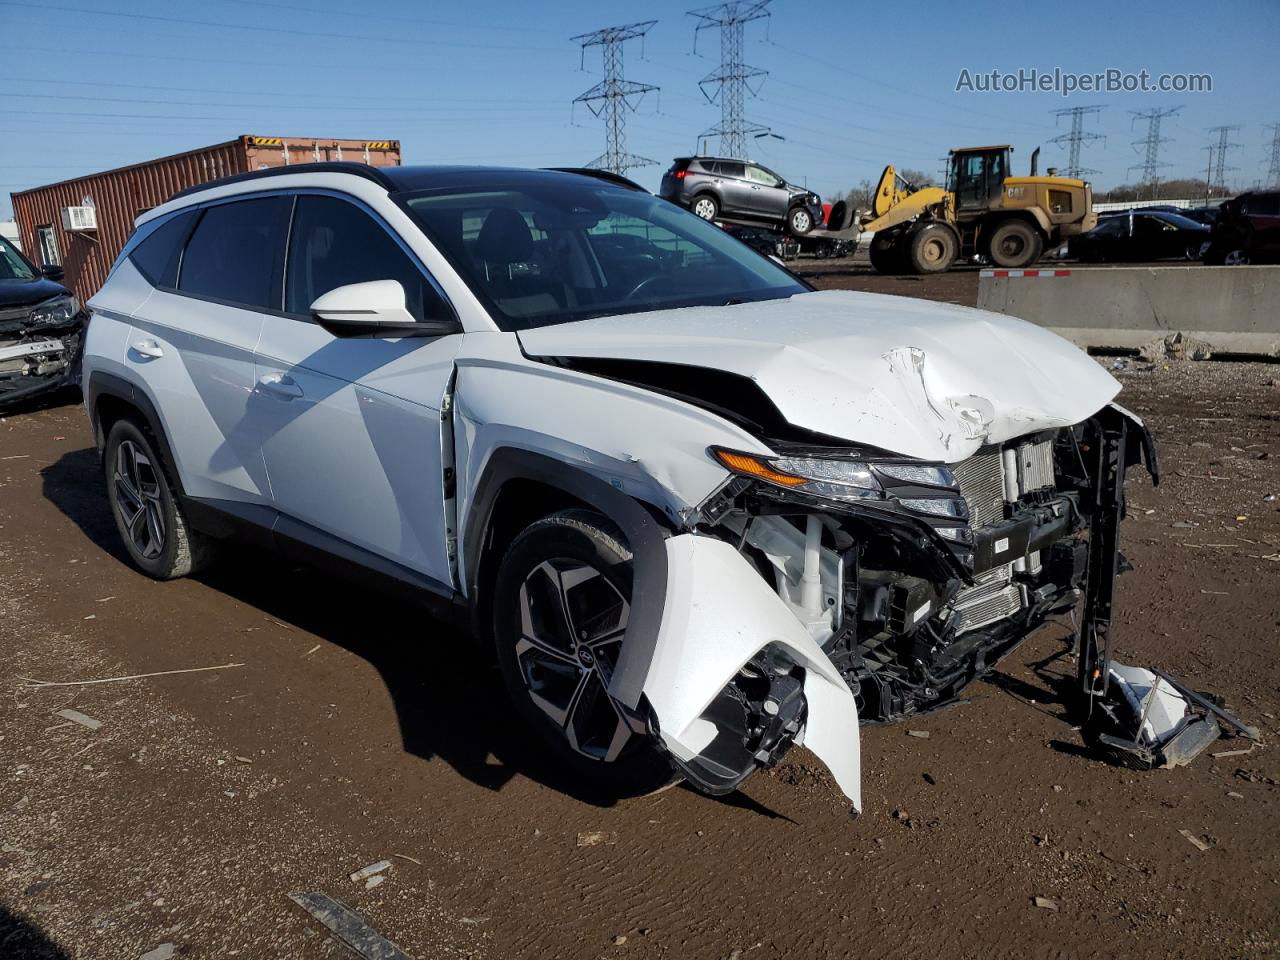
(607, 175)
(355, 169)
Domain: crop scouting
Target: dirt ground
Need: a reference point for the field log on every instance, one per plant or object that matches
(344, 729)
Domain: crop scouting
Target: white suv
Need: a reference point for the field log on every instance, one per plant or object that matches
(700, 511)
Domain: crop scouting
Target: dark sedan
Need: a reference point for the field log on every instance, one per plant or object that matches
(1141, 235)
(41, 328)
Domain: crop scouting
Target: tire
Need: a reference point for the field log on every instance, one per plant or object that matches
(1015, 243)
(150, 522)
(839, 214)
(554, 674)
(705, 206)
(885, 253)
(1236, 258)
(931, 248)
(799, 221)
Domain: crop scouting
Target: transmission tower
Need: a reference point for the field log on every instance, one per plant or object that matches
(733, 80)
(614, 97)
(1149, 145)
(1218, 154)
(1273, 171)
(1076, 137)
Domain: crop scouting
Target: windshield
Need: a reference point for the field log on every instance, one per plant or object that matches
(540, 249)
(13, 266)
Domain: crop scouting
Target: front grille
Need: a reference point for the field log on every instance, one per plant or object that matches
(992, 597)
(1035, 466)
(981, 481)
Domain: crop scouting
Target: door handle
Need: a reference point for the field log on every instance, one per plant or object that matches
(280, 385)
(147, 348)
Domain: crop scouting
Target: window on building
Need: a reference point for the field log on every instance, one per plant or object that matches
(47, 241)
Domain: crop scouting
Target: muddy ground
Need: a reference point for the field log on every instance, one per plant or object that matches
(346, 729)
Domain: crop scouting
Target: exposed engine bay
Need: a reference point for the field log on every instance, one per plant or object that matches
(39, 346)
(915, 579)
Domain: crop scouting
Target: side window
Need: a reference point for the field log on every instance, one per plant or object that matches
(157, 256)
(334, 243)
(738, 170)
(761, 175)
(234, 253)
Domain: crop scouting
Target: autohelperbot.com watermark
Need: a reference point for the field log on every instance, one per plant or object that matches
(1065, 82)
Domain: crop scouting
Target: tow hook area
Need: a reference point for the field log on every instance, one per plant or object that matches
(735, 679)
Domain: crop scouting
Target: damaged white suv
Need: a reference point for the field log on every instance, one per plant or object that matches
(701, 511)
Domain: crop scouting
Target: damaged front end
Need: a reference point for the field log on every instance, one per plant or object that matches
(846, 584)
(40, 347)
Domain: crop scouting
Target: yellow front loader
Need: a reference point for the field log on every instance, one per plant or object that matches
(984, 211)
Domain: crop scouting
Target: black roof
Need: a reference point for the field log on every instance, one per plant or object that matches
(401, 179)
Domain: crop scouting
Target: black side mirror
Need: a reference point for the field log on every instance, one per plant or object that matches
(51, 271)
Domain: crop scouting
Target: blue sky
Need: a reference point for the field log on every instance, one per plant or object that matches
(86, 85)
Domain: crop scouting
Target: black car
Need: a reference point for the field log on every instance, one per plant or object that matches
(41, 328)
(1141, 235)
(737, 191)
(1247, 230)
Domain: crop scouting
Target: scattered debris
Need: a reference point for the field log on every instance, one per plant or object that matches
(311, 651)
(594, 838)
(1176, 346)
(1215, 593)
(405, 856)
(619, 940)
(349, 927)
(1253, 776)
(1194, 840)
(1044, 903)
(922, 734)
(243, 760)
(1232, 753)
(277, 623)
(370, 870)
(374, 881)
(32, 682)
(92, 616)
(105, 599)
(928, 778)
(473, 921)
(1235, 796)
(77, 717)
(162, 952)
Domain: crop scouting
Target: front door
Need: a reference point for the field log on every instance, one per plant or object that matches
(351, 427)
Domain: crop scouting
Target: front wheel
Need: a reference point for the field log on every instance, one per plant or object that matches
(932, 248)
(562, 603)
(706, 207)
(886, 252)
(799, 221)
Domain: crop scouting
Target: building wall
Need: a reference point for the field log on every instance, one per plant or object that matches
(120, 196)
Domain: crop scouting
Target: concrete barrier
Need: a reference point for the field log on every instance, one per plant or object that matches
(1231, 309)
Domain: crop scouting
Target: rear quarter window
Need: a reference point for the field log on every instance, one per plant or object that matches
(157, 256)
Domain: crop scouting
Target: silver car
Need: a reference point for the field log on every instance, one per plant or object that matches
(740, 192)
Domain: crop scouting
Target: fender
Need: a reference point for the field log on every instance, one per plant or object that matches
(102, 384)
(644, 534)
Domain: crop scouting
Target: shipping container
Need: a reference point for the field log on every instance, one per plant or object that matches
(82, 224)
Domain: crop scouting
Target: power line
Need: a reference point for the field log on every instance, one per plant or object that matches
(1077, 137)
(1150, 144)
(614, 96)
(733, 80)
(1273, 171)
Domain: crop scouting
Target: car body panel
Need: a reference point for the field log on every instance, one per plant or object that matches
(718, 614)
(920, 379)
(646, 445)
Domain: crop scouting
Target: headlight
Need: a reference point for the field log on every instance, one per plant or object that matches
(55, 311)
(830, 479)
(912, 473)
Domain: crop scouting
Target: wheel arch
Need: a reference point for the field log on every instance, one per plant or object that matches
(109, 398)
(520, 486)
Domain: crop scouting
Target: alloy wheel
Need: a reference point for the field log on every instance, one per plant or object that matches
(801, 221)
(572, 623)
(705, 208)
(1236, 258)
(135, 483)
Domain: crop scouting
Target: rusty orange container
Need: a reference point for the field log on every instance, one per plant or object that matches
(83, 223)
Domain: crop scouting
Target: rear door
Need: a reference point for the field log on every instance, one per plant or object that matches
(735, 191)
(351, 428)
(192, 342)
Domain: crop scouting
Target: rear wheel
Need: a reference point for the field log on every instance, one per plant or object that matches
(705, 206)
(150, 521)
(1236, 258)
(1015, 243)
(562, 602)
(931, 248)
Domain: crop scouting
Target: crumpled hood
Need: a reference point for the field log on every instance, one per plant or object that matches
(915, 377)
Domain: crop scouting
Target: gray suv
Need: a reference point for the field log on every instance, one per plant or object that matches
(742, 192)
